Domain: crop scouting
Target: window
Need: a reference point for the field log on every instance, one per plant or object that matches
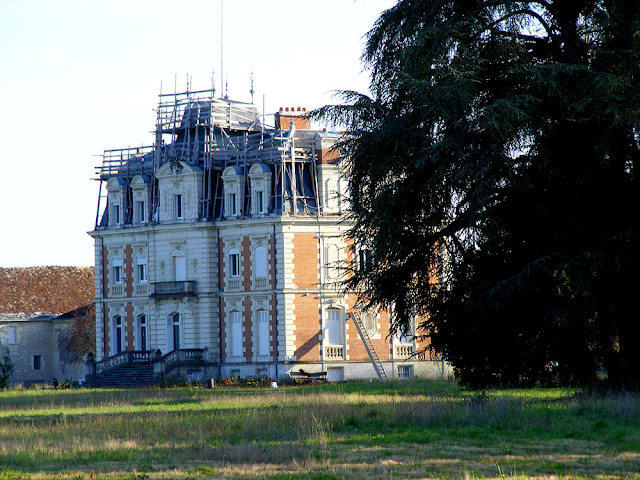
(369, 322)
(365, 263)
(233, 205)
(332, 262)
(260, 201)
(234, 264)
(142, 269)
(405, 371)
(178, 205)
(261, 262)
(142, 212)
(142, 332)
(117, 273)
(262, 318)
(37, 362)
(12, 335)
(179, 266)
(117, 334)
(236, 334)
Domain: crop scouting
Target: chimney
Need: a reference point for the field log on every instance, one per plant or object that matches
(286, 115)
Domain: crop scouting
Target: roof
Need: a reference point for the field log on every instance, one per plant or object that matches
(53, 290)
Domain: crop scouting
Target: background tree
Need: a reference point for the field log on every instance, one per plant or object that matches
(494, 180)
(79, 339)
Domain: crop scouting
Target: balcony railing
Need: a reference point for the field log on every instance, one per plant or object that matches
(174, 289)
(261, 283)
(117, 290)
(234, 284)
(334, 352)
(142, 289)
(403, 351)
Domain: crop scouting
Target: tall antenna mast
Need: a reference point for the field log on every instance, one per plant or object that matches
(251, 91)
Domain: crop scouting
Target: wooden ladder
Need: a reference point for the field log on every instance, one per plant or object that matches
(368, 345)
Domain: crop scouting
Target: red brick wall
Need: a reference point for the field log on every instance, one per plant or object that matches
(128, 270)
(306, 247)
(247, 334)
(129, 325)
(246, 261)
(307, 331)
(285, 115)
(382, 345)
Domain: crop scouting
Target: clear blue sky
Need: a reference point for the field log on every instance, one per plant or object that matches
(78, 77)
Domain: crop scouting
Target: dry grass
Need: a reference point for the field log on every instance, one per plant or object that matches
(396, 430)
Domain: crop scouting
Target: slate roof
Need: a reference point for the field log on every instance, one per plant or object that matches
(53, 290)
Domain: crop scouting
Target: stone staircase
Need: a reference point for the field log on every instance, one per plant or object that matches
(125, 376)
(140, 368)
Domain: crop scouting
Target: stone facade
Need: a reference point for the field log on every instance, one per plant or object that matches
(31, 342)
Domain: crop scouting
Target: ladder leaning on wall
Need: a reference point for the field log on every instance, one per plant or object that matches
(368, 345)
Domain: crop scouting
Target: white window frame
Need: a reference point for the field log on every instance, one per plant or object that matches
(234, 264)
(141, 270)
(117, 272)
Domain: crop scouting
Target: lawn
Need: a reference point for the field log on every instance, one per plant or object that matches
(413, 429)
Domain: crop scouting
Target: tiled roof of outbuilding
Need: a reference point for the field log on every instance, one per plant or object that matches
(45, 289)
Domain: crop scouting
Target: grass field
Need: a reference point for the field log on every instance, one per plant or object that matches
(412, 429)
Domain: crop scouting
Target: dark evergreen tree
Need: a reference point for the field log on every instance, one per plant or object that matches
(494, 180)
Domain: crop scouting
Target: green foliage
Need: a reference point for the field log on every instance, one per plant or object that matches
(6, 370)
(494, 181)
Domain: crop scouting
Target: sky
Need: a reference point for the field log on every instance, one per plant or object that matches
(79, 77)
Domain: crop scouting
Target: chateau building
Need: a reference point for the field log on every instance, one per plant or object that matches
(226, 237)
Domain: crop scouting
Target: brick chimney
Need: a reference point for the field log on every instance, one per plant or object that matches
(286, 115)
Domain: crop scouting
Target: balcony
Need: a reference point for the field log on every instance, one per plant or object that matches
(334, 352)
(142, 289)
(403, 351)
(117, 290)
(261, 283)
(234, 284)
(174, 289)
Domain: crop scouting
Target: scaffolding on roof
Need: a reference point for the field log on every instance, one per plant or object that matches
(213, 133)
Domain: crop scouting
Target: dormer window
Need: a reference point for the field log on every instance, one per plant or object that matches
(260, 176)
(141, 189)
